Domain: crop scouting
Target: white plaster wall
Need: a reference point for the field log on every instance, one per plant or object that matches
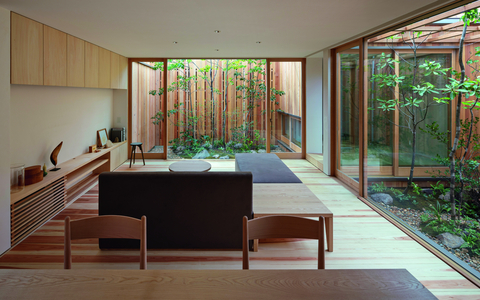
(327, 168)
(41, 117)
(314, 105)
(4, 130)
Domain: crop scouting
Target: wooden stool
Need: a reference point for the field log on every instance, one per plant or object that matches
(134, 147)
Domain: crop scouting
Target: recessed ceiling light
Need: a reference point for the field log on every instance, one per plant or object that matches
(259, 42)
(217, 49)
(217, 31)
(175, 42)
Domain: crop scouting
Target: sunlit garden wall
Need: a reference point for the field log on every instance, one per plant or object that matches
(217, 107)
(145, 78)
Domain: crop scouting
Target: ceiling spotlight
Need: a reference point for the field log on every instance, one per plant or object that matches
(217, 49)
(175, 42)
(217, 31)
(259, 42)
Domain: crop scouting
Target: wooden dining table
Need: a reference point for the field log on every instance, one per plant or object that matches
(211, 284)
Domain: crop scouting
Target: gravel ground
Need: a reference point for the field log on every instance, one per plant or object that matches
(412, 217)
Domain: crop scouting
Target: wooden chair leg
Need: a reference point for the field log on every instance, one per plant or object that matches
(142, 154)
(329, 233)
(134, 152)
(131, 156)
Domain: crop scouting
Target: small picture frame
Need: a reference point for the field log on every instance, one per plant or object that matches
(102, 137)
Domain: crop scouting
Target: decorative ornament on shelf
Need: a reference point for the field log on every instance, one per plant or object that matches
(92, 148)
(45, 170)
(54, 155)
(33, 174)
(109, 144)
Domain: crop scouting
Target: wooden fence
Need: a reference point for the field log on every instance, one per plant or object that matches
(215, 104)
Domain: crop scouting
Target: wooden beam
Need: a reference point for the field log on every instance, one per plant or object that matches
(471, 38)
(422, 25)
(444, 15)
(443, 37)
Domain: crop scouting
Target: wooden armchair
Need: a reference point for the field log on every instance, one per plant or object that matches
(283, 227)
(106, 227)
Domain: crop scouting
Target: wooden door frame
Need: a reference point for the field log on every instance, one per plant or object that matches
(164, 110)
(303, 153)
(265, 120)
(359, 186)
(362, 185)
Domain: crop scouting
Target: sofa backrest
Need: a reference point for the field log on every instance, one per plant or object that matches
(185, 210)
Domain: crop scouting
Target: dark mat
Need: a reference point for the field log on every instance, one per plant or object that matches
(265, 167)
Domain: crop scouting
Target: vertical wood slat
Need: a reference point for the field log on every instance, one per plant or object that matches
(55, 57)
(44, 203)
(123, 71)
(91, 65)
(75, 62)
(114, 70)
(104, 74)
(26, 51)
(134, 102)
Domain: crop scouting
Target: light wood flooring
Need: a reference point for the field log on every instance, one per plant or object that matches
(362, 239)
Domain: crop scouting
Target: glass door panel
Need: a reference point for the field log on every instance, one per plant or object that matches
(348, 73)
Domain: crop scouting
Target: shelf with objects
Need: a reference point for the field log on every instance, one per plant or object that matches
(39, 202)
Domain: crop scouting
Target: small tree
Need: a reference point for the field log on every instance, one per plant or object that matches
(413, 99)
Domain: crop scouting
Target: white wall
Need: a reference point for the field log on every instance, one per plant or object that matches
(314, 105)
(4, 130)
(41, 117)
(327, 168)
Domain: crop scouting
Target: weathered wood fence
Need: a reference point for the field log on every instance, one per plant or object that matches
(216, 104)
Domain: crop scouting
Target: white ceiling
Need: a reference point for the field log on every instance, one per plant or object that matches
(148, 28)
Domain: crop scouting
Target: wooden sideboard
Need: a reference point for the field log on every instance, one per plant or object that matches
(39, 202)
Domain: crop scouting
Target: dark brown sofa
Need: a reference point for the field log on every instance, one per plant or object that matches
(184, 210)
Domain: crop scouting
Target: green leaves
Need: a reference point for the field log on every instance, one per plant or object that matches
(432, 67)
(470, 16)
(425, 88)
(387, 105)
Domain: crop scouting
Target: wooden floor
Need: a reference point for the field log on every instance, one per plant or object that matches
(362, 239)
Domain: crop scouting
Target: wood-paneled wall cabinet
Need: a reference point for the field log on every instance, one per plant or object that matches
(123, 72)
(75, 62)
(27, 51)
(114, 70)
(42, 55)
(104, 80)
(91, 65)
(54, 57)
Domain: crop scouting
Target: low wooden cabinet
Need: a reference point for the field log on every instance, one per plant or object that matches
(39, 202)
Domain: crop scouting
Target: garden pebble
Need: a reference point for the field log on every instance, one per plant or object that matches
(412, 218)
(383, 198)
(451, 240)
